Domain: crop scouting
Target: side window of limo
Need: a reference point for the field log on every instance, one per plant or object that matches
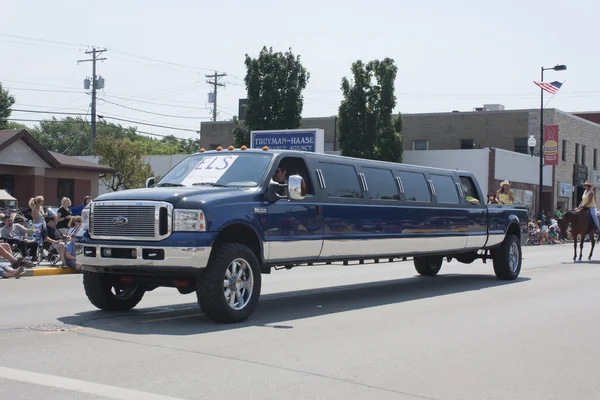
(415, 186)
(445, 189)
(341, 180)
(295, 166)
(381, 184)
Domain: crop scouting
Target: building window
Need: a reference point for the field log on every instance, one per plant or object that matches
(521, 145)
(65, 188)
(7, 182)
(466, 144)
(420, 144)
(564, 150)
(595, 158)
(576, 153)
(582, 155)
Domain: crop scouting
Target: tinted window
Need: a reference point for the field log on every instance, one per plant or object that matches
(445, 189)
(341, 180)
(415, 186)
(381, 184)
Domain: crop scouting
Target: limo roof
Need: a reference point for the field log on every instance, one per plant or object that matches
(336, 157)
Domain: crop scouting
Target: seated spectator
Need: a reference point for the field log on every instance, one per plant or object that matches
(74, 226)
(53, 236)
(14, 234)
(15, 269)
(70, 250)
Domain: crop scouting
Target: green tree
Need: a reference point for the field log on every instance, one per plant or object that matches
(367, 127)
(126, 157)
(184, 146)
(274, 83)
(6, 102)
(71, 136)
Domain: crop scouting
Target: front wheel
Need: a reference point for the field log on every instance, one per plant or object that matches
(507, 258)
(428, 265)
(230, 286)
(104, 292)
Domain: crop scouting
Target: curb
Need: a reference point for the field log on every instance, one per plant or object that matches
(49, 271)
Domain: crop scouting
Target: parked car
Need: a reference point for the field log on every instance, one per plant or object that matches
(217, 221)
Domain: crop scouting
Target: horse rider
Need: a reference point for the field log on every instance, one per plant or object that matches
(588, 201)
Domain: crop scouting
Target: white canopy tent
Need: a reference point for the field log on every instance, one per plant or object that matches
(4, 196)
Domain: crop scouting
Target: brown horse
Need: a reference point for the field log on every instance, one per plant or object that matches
(581, 224)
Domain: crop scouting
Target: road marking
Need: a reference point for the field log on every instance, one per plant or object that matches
(76, 385)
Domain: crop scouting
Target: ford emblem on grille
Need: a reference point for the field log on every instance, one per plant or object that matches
(120, 221)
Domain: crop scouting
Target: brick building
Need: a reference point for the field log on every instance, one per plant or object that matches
(579, 140)
(28, 170)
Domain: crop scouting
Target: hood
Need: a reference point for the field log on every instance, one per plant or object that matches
(178, 196)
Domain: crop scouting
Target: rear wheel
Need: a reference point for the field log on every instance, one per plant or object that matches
(507, 258)
(428, 265)
(107, 294)
(230, 286)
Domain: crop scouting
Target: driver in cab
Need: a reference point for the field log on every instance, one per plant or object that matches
(281, 178)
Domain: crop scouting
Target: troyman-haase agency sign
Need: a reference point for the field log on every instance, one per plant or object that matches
(312, 140)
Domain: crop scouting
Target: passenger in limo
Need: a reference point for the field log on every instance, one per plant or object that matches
(466, 185)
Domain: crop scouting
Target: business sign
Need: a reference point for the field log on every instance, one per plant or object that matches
(596, 178)
(565, 189)
(551, 145)
(580, 174)
(293, 139)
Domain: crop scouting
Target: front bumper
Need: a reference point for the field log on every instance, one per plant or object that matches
(143, 257)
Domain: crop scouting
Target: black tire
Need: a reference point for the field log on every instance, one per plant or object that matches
(98, 289)
(211, 291)
(507, 258)
(428, 265)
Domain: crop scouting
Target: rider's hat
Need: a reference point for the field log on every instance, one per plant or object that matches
(507, 183)
(588, 183)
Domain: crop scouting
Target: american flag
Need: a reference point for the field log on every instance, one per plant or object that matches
(551, 88)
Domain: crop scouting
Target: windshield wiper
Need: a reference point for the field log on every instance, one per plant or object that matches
(208, 184)
(165, 184)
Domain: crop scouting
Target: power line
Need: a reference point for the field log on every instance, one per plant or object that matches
(151, 102)
(85, 122)
(150, 112)
(49, 112)
(44, 40)
(215, 84)
(44, 90)
(145, 123)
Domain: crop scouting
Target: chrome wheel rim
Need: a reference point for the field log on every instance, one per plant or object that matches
(513, 257)
(238, 284)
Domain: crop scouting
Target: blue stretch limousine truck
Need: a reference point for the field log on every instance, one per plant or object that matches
(219, 219)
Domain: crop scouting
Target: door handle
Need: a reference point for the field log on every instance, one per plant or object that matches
(318, 210)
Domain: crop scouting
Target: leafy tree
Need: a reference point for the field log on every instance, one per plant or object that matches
(274, 82)
(6, 102)
(184, 146)
(126, 157)
(367, 127)
(71, 136)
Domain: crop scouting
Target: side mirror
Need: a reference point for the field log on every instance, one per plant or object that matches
(296, 187)
(150, 182)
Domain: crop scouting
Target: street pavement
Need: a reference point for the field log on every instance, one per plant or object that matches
(373, 331)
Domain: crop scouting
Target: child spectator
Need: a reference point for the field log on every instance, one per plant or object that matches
(70, 259)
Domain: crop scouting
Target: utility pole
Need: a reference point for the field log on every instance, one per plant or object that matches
(215, 84)
(95, 53)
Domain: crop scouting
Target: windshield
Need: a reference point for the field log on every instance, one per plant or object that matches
(242, 170)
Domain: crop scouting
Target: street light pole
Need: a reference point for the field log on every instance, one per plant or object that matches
(540, 214)
(555, 68)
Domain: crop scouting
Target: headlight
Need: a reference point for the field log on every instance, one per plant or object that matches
(85, 218)
(189, 220)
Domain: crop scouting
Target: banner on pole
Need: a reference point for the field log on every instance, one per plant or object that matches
(551, 145)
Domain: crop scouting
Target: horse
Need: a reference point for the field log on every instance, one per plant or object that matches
(581, 224)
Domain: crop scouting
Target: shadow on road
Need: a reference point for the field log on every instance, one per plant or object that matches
(273, 309)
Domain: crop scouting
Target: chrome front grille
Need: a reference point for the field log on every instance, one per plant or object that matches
(131, 220)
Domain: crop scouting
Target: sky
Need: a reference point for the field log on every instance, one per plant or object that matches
(450, 55)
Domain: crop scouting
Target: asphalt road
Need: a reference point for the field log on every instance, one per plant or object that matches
(331, 332)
